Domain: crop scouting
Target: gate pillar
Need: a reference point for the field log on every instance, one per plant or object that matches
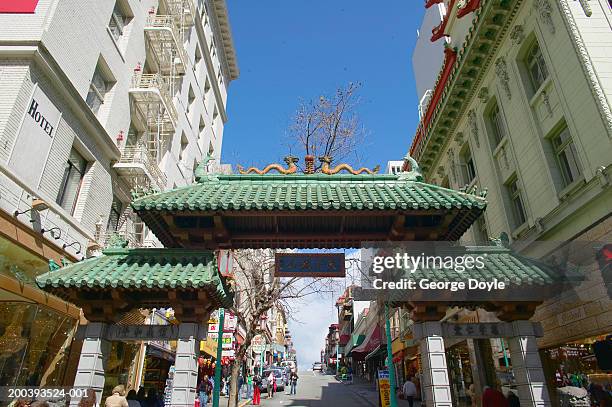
(186, 366)
(92, 362)
(527, 367)
(436, 385)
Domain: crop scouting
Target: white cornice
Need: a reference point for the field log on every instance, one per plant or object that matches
(222, 28)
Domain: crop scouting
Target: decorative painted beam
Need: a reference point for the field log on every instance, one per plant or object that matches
(429, 3)
(466, 8)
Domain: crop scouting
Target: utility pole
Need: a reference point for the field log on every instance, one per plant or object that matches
(390, 357)
(217, 389)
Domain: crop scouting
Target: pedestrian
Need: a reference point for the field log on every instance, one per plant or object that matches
(471, 393)
(257, 391)
(293, 380)
(132, 399)
(239, 384)
(205, 389)
(269, 384)
(249, 381)
(493, 397)
(141, 395)
(409, 391)
(513, 400)
(89, 400)
(117, 398)
(152, 399)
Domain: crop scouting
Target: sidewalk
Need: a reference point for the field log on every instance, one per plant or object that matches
(367, 391)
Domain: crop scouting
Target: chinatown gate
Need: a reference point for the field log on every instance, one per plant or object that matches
(323, 209)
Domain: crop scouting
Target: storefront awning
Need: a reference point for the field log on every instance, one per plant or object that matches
(379, 352)
(372, 340)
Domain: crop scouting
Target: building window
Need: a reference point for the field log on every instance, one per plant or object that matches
(97, 90)
(71, 183)
(184, 143)
(190, 100)
(467, 166)
(115, 215)
(536, 66)
(198, 59)
(117, 22)
(566, 156)
(496, 125)
(518, 209)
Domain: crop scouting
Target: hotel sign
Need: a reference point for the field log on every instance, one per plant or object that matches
(309, 265)
(35, 137)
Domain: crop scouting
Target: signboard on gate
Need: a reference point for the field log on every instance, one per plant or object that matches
(309, 265)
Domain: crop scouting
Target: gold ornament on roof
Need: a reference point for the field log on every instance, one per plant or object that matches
(291, 169)
(326, 168)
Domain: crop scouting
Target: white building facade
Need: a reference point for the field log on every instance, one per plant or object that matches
(521, 107)
(98, 98)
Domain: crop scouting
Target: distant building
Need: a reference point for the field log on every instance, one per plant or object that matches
(393, 167)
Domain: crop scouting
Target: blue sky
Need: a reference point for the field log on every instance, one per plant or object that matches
(299, 49)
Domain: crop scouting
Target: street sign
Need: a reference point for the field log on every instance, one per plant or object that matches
(384, 388)
(309, 265)
(258, 344)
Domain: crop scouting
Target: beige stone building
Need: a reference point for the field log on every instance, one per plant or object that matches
(522, 108)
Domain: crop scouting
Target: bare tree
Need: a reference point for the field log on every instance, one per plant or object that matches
(328, 126)
(257, 291)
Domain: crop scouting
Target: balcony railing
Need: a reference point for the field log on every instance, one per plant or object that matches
(166, 29)
(156, 84)
(139, 159)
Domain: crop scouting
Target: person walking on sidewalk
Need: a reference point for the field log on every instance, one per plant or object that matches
(249, 383)
(270, 384)
(293, 380)
(409, 390)
(256, 390)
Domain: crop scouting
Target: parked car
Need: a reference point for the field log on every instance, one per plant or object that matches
(280, 381)
(317, 366)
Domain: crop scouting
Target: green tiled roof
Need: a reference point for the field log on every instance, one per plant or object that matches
(307, 192)
(142, 270)
(500, 263)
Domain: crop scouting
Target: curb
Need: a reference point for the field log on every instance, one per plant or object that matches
(244, 403)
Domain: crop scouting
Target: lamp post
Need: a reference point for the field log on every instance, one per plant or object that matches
(390, 357)
(217, 389)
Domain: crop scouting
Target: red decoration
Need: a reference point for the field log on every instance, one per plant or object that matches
(120, 136)
(438, 32)
(18, 6)
(471, 6)
(450, 56)
(138, 67)
(429, 3)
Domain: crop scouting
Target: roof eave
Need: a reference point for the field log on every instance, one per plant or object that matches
(222, 19)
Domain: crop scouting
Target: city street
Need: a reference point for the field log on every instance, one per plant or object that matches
(317, 390)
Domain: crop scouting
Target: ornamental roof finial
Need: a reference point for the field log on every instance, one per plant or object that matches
(414, 174)
(202, 171)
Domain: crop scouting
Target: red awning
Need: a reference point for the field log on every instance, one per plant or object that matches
(344, 339)
(372, 340)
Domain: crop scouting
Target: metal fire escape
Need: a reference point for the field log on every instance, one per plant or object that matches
(153, 113)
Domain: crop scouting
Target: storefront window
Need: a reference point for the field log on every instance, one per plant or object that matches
(34, 345)
(121, 365)
(460, 370)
